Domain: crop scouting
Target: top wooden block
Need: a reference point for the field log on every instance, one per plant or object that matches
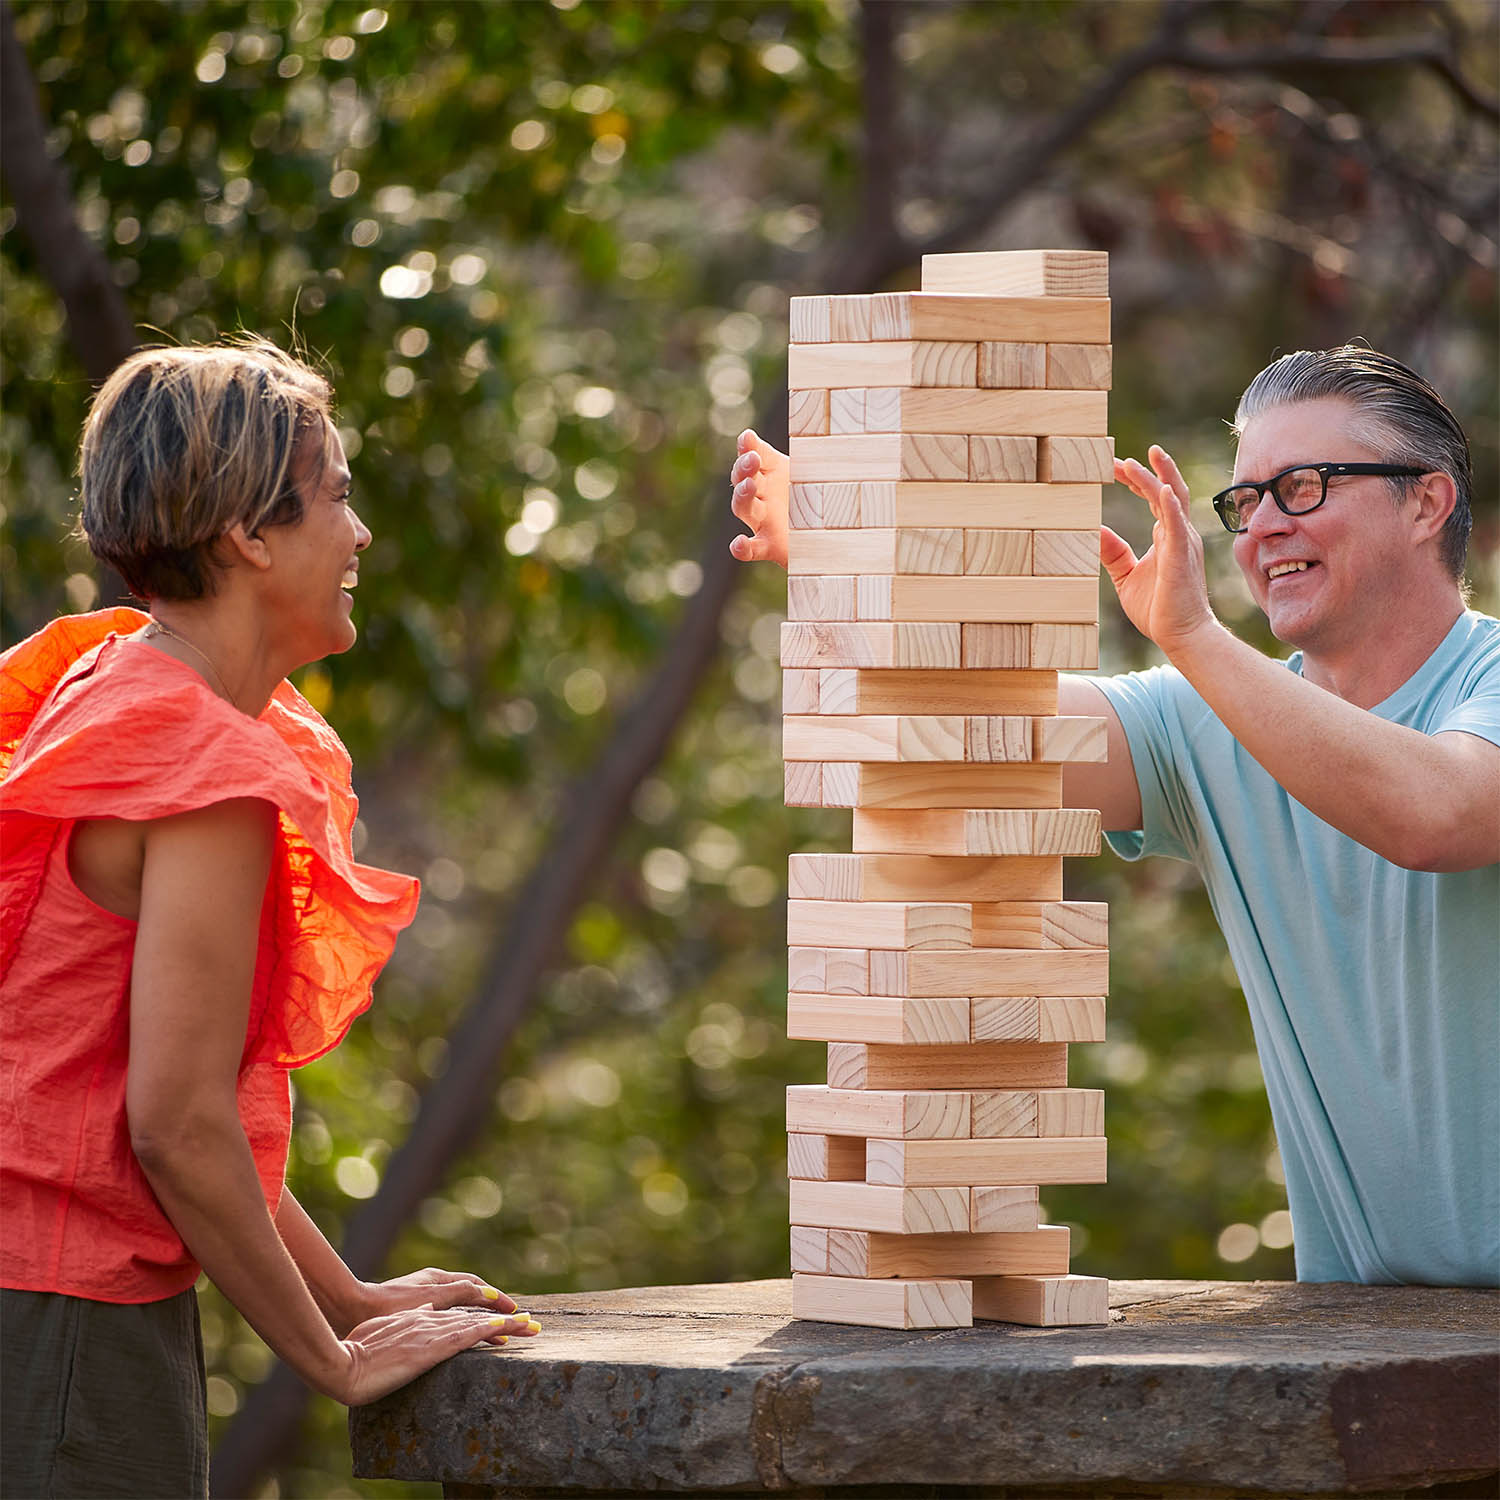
(1019, 273)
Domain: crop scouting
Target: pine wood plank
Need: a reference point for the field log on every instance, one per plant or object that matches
(1078, 367)
(1047, 1019)
(1019, 273)
(925, 877)
(896, 1020)
(1002, 972)
(811, 644)
(1082, 459)
(879, 924)
(908, 1114)
(924, 692)
(990, 831)
(938, 784)
(903, 362)
(970, 1065)
(825, 1158)
(1012, 366)
(1024, 320)
(1042, 1301)
(986, 505)
(1003, 460)
(882, 455)
(897, 1303)
(862, 1205)
(807, 413)
(1058, 553)
(966, 1163)
(1042, 1251)
(997, 1210)
(996, 600)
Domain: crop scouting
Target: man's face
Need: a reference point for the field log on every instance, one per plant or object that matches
(1328, 578)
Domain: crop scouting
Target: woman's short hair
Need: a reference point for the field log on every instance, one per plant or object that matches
(181, 443)
(1395, 412)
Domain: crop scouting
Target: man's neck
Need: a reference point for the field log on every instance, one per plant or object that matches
(1367, 671)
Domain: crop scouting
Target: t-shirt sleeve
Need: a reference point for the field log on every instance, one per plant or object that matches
(1477, 710)
(1148, 707)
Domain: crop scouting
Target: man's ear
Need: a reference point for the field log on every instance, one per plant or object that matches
(1435, 495)
(246, 546)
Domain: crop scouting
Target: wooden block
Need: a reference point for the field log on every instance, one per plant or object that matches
(876, 550)
(1040, 924)
(940, 1065)
(1006, 460)
(882, 411)
(805, 506)
(849, 690)
(1062, 601)
(840, 783)
(848, 318)
(1056, 553)
(925, 877)
(1023, 320)
(820, 596)
(880, 455)
(987, 971)
(1067, 460)
(882, 1304)
(1013, 366)
(826, 1158)
(807, 644)
(1065, 647)
(973, 784)
(894, 1020)
(1001, 1210)
(799, 690)
(1079, 367)
(809, 1249)
(1006, 647)
(873, 737)
(1066, 737)
(828, 971)
(811, 366)
(807, 413)
(877, 502)
(1065, 1112)
(861, 1205)
(993, 553)
(1064, 1159)
(1050, 1019)
(803, 784)
(1004, 1113)
(1019, 273)
(1042, 1301)
(993, 831)
(1042, 1251)
(872, 600)
(997, 738)
(906, 1114)
(824, 506)
(1071, 1018)
(846, 410)
(879, 924)
(1014, 413)
(809, 320)
(1018, 507)
(928, 549)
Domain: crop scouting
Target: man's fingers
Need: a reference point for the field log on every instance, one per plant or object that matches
(747, 505)
(1116, 554)
(750, 549)
(1165, 468)
(744, 466)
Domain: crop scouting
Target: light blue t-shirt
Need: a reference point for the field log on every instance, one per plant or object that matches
(1374, 991)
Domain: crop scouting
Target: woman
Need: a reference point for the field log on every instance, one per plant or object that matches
(183, 923)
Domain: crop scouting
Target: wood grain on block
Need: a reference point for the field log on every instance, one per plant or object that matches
(800, 690)
(1066, 647)
(1023, 320)
(997, 600)
(823, 507)
(997, 738)
(999, 1210)
(1048, 1019)
(907, 1114)
(808, 319)
(877, 502)
(1019, 273)
(917, 692)
(989, 971)
(812, 644)
(1042, 1251)
(809, 1250)
(955, 1066)
(996, 831)
(848, 318)
(1078, 367)
(1070, 737)
(1062, 1159)
(1074, 924)
(1003, 1113)
(1000, 647)
(807, 413)
(918, 785)
(882, 1304)
(895, 1020)
(1040, 924)
(1012, 413)
(907, 362)
(1042, 1301)
(879, 924)
(1064, 1112)
(925, 877)
(826, 1158)
(1058, 553)
(880, 455)
(840, 783)
(859, 1205)
(1070, 460)
(994, 506)
(820, 596)
(828, 971)
(873, 737)
(846, 410)
(1071, 1018)
(928, 549)
(803, 784)
(1003, 460)
(839, 553)
(1013, 367)
(872, 596)
(990, 553)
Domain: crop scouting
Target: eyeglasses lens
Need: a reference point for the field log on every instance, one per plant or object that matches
(1299, 490)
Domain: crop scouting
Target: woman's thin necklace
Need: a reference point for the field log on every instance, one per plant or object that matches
(158, 627)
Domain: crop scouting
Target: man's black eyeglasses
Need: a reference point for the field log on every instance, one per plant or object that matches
(1296, 490)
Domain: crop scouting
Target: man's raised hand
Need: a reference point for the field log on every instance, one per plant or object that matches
(760, 496)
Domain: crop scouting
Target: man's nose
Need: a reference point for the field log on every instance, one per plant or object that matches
(1268, 519)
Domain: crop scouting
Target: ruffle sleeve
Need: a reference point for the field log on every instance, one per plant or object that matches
(145, 738)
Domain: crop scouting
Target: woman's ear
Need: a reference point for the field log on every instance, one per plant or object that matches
(247, 546)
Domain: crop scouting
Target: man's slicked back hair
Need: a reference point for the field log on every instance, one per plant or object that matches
(181, 443)
(1396, 413)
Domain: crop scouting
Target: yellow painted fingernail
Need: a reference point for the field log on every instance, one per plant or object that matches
(532, 1326)
(492, 1293)
(498, 1322)
(519, 1314)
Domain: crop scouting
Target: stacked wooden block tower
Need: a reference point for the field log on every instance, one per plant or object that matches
(947, 455)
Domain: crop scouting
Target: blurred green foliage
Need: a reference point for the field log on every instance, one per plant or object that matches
(545, 250)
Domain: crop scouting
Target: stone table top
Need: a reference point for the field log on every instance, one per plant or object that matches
(1194, 1387)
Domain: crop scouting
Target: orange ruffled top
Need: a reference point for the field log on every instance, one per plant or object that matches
(95, 726)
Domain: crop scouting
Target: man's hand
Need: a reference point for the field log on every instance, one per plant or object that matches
(1163, 592)
(761, 480)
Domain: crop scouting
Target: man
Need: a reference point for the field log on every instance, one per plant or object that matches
(1343, 806)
